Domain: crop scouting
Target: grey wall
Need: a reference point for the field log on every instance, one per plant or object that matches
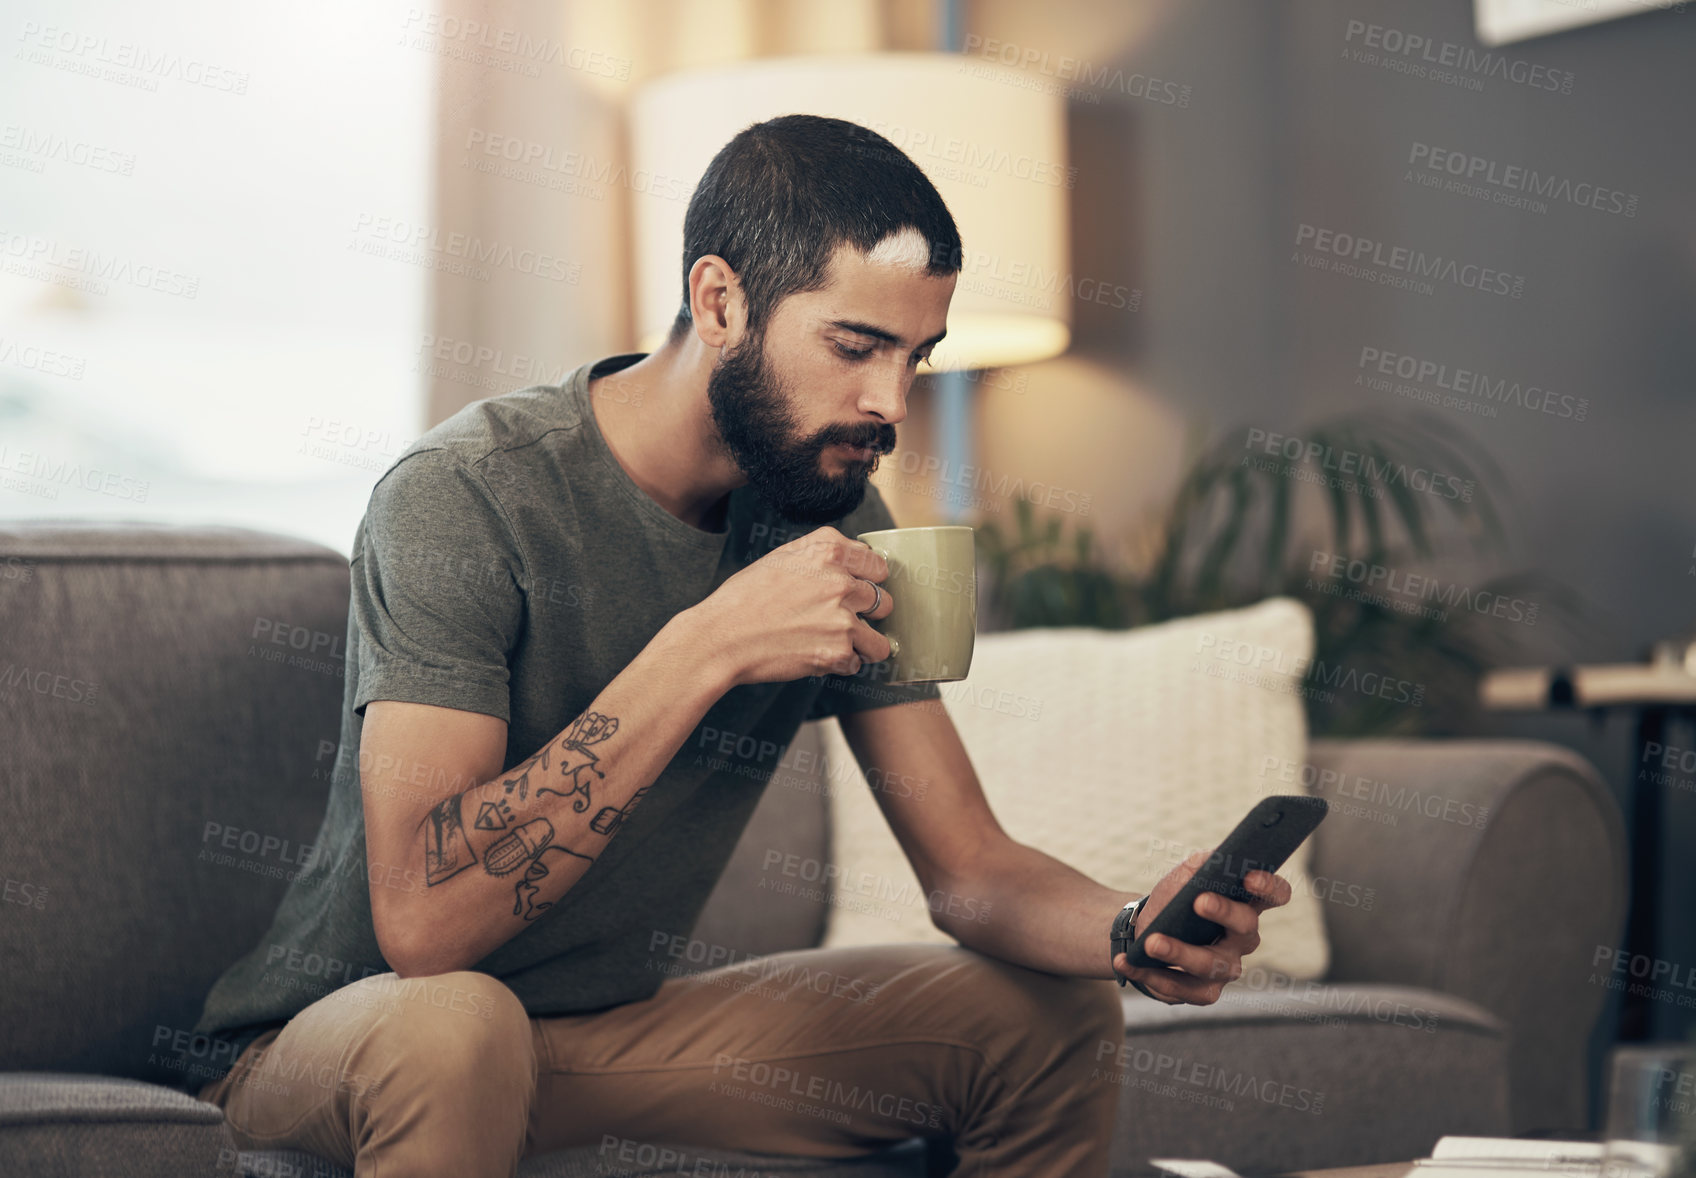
(1285, 127)
(1608, 314)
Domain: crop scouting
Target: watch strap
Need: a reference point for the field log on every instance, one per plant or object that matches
(1124, 933)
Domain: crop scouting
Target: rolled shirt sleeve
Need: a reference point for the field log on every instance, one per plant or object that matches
(437, 594)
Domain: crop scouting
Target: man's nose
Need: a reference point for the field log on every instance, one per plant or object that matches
(885, 394)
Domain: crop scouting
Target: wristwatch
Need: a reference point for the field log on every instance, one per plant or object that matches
(1124, 932)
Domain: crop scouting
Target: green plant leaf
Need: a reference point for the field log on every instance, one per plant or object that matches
(1223, 509)
(1210, 575)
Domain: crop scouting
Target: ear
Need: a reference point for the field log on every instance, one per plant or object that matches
(715, 301)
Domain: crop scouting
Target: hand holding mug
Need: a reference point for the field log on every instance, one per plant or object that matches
(803, 609)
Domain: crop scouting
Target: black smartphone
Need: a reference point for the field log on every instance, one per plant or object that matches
(1267, 836)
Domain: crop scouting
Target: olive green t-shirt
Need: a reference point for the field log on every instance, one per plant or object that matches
(507, 564)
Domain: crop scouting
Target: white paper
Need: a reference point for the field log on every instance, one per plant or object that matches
(1193, 1168)
(1537, 1152)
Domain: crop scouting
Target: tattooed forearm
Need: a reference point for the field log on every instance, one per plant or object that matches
(528, 885)
(522, 847)
(521, 781)
(446, 853)
(577, 760)
(527, 847)
(609, 818)
(519, 847)
(532, 826)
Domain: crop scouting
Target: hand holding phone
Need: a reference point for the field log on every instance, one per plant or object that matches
(1265, 838)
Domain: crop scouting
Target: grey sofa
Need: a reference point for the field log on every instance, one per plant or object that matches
(169, 706)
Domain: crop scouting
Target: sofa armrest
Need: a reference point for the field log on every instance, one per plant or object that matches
(1498, 870)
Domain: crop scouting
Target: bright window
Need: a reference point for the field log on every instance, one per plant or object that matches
(190, 330)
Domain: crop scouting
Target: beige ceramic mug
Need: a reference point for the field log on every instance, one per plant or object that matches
(933, 579)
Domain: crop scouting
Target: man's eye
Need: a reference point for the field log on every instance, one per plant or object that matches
(914, 361)
(852, 353)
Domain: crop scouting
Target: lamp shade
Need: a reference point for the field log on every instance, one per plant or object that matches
(994, 148)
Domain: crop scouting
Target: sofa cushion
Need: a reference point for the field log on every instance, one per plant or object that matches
(1305, 1077)
(1117, 752)
(742, 918)
(53, 1125)
(170, 702)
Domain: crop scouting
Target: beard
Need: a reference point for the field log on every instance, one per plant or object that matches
(754, 410)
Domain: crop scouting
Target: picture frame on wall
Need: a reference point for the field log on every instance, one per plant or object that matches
(1498, 22)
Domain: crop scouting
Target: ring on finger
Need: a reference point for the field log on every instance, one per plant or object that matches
(876, 601)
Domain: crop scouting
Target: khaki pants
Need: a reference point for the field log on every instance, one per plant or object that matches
(818, 1052)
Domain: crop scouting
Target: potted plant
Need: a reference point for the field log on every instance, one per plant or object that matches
(1242, 527)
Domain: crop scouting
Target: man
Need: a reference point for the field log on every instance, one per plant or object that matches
(556, 592)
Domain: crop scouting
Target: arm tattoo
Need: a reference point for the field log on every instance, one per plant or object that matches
(576, 756)
(446, 853)
(577, 759)
(528, 884)
(518, 848)
(494, 815)
(527, 847)
(609, 818)
(522, 782)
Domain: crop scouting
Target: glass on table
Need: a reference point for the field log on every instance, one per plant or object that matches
(1650, 1130)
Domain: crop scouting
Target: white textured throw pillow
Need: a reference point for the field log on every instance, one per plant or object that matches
(1116, 751)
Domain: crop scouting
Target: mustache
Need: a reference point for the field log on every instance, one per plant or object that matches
(879, 439)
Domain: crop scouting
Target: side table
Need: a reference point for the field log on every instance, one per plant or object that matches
(1659, 694)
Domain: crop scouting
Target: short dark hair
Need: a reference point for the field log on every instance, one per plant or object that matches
(780, 197)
